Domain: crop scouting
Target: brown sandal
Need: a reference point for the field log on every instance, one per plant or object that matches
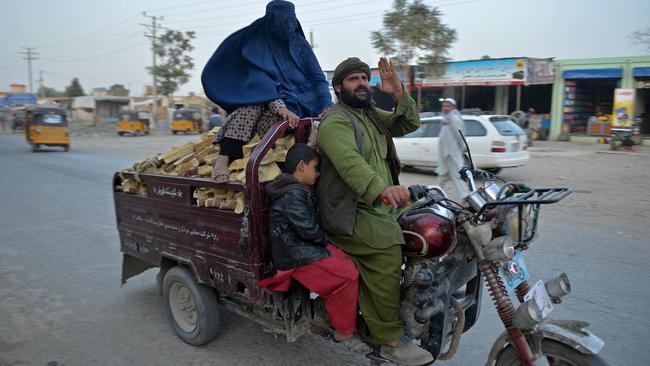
(220, 172)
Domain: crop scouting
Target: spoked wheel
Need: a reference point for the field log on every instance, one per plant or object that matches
(555, 354)
(191, 308)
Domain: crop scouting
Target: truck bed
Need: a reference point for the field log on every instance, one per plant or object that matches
(224, 250)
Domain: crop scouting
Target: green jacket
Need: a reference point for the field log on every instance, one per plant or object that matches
(351, 183)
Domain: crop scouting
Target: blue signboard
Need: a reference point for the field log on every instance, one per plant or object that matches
(23, 99)
(509, 71)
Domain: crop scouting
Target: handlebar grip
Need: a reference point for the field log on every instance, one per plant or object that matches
(417, 191)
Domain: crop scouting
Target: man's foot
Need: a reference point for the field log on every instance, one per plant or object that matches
(406, 353)
(353, 343)
(220, 173)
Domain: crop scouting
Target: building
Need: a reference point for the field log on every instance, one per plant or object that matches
(94, 110)
(500, 85)
(583, 98)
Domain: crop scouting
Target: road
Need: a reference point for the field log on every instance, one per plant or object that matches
(61, 303)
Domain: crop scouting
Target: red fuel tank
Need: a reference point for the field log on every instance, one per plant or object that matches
(428, 234)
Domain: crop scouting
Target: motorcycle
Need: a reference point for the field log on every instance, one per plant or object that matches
(452, 247)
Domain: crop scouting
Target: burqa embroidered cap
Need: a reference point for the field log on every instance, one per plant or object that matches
(267, 60)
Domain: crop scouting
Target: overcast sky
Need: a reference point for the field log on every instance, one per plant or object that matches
(102, 42)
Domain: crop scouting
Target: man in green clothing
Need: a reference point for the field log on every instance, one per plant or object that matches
(359, 170)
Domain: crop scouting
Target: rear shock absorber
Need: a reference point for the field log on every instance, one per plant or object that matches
(522, 290)
(506, 310)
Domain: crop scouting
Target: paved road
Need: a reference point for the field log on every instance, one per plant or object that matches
(61, 304)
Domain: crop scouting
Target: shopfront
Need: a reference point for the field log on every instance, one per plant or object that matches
(642, 98)
(590, 96)
(497, 85)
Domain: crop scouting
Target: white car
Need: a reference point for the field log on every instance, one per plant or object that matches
(495, 142)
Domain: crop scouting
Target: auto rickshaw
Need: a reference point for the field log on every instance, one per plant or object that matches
(132, 122)
(47, 126)
(187, 121)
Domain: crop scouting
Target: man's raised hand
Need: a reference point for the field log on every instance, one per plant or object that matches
(390, 82)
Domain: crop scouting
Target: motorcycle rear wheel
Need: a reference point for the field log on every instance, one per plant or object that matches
(556, 354)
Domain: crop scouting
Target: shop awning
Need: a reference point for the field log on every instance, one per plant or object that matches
(639, 72)
(593, 73)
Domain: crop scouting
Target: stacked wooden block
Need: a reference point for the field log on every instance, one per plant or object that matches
(196, 159)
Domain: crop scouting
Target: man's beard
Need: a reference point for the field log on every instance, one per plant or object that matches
(352, 100)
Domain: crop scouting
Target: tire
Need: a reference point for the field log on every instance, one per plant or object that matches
(66, 148)
(174, 132)
(200, 324)
(565, 355)
(120, 133)
(494, 170)
(35, 147)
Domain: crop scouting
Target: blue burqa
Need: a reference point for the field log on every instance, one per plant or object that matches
(267, 60)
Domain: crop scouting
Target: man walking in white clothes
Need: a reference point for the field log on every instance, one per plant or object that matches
(451, 148)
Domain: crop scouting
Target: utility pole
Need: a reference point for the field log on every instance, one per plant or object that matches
(29, 56)
(40, 84)
(154, 106)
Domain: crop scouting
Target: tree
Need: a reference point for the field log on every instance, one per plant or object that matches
(173, 48)
(485, 57)
(118, 90)
(413, 31)
(641, 37)
(47, 92)
(74, 89)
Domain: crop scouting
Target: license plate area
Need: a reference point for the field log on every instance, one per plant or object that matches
(513, 272)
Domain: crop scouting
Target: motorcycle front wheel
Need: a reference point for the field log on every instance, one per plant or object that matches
(555, 354)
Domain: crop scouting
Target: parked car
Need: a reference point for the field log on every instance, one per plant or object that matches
(496, 142)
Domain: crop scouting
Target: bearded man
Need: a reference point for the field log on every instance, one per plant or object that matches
(359, 171)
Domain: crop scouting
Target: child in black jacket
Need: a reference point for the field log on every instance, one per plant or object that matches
(300, 250)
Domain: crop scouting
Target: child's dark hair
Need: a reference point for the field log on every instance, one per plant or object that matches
(296, 153)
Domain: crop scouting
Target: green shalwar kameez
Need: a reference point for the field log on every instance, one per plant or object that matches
(375, 245)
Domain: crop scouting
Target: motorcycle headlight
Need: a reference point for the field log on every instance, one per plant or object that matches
(500, 249)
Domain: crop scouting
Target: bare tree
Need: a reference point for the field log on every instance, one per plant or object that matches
(641, 37)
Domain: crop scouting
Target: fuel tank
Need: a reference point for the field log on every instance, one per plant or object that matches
(429, 232)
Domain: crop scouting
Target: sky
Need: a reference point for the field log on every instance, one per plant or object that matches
(102, 42)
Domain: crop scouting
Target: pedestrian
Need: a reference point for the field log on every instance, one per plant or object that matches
(528, 118)
(263, 74)
(300, 250)
(215, 119)
(359, 169)
(451, 148)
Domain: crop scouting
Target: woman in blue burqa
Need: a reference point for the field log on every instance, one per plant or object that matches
(263, 74)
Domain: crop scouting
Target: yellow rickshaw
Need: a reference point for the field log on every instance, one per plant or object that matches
(187, 120)
(47, 126)
(132, 122)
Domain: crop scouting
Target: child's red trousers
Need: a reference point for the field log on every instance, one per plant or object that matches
(335, 279)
